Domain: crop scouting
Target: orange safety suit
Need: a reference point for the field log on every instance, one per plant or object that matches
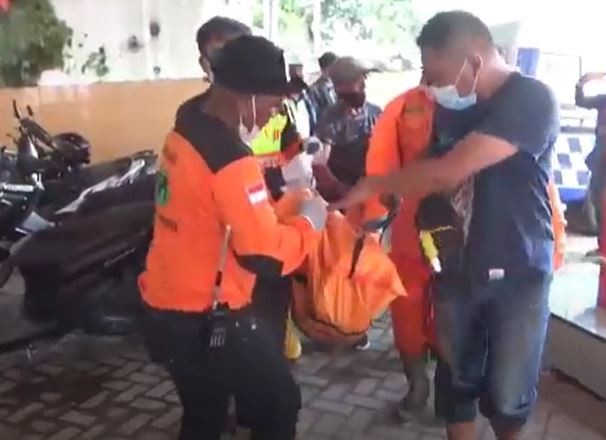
(401, 135)
(209, 180)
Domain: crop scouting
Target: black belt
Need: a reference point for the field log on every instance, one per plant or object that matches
(246, 311)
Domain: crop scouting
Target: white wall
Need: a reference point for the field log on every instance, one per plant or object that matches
(567, 26)
(572, 27)
(111, 22)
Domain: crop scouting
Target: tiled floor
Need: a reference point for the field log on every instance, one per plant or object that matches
(574, 291)
(103, 389)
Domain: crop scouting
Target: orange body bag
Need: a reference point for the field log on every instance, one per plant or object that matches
(350, 280)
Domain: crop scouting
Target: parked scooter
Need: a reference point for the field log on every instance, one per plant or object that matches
(52, 199)
(63, 161)
(79, 265)
(83, 273)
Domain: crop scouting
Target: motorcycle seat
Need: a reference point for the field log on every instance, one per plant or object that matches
(142, 190)
(91, 175)
(84, 241)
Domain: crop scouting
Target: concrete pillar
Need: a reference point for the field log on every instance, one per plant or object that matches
(271, 10)
(316, 26)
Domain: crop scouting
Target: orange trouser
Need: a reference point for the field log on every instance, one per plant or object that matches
(411, 315)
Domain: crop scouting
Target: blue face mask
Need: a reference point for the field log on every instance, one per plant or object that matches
(449, 98)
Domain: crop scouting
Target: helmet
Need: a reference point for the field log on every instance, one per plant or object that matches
(74, 148)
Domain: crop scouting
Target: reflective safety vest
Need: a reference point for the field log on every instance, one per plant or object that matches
(267, 146)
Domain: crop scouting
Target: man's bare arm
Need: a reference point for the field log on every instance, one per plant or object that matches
(525, 119)
(469, 156)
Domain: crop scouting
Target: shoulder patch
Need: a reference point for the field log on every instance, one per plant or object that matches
(162, 191)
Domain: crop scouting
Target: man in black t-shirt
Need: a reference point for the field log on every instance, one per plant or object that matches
(492, 311)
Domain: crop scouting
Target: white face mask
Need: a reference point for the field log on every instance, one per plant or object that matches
(449, 98)
(247, 135)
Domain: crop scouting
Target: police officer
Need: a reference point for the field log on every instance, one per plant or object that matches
(216, 242)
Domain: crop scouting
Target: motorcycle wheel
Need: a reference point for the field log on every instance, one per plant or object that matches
(112, 308)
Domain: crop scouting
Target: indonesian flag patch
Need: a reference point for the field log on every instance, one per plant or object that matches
(256, 193)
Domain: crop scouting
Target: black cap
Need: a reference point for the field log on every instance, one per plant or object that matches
(252, 65)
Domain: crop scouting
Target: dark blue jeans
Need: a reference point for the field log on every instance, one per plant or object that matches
(491, 336)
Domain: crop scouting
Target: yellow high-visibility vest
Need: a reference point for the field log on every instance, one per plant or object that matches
(268, 141)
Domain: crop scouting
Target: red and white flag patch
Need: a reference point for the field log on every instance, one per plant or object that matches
(256, 193)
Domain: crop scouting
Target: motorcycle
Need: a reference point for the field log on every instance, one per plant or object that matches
(83, 273)
(79, 261)
(36, 202)
(63, 161)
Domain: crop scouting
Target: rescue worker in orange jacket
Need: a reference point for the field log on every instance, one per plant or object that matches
(403, 134)
(216, 241)
(275, 143)
(286, 164)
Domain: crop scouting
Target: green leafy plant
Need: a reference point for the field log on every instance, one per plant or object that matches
(32, 40)
(382, 22)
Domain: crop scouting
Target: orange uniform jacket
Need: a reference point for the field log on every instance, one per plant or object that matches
(402, 134)
(210, 179)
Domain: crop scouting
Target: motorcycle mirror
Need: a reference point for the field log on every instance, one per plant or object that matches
(30, 112)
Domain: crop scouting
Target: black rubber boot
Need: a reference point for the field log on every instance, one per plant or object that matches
(413, 406)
